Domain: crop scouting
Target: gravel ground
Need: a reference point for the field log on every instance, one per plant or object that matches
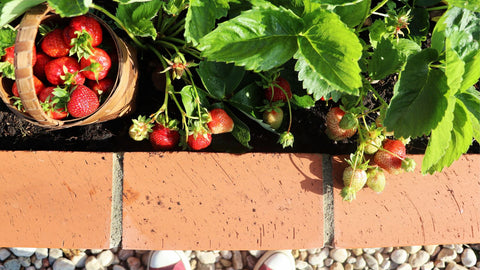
(449, 257)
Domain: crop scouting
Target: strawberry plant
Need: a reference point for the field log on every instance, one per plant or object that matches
(262, 61)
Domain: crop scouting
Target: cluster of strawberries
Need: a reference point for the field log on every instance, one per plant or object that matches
(375, 154)
(70, 70)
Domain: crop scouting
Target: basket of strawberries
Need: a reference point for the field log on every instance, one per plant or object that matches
(77, 72)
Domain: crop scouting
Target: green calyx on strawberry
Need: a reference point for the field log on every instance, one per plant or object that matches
(408, 164)
(8, 34)
(199, 137)
(354, 177)
(273, 114)
(83, 34)
(164, 135)
(140, 128)
(371, 140)
(220, 121)
(286, 139)
(334, 130)
(391, 156)
(54, 102)
(376, 179)
(81, 45)
(96, 66)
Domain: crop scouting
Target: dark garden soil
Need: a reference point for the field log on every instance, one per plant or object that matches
(112, 136)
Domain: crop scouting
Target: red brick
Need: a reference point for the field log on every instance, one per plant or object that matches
(413, 209)
(55, 199)
(210, 201)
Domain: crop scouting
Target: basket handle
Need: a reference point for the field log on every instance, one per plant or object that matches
(26, 35)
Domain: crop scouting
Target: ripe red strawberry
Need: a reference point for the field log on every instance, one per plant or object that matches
(102, 87)
(199, 139)
(390, 156)
(164, 138)
(53, 44)
(334, 131)
(274, 92)
(10, 55)
(38, 84)
(82, 34)
(83, 101)
(273, 117)
(39, 67)
(220, 122)
(97, 65)
(49, 106)
(55, 73)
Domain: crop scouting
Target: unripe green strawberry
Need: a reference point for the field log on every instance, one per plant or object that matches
(353, 180)
(376, 179)
(373, 142)
(273, 117)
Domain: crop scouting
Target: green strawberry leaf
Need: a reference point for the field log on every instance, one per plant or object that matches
(353, 15)
(259, 39)
(174, 7)
(377, 31)
(125, 2)
(471, 99)
(201, 18)
(137, 17)
(419, 25)
(419, 99)
(248, 99)
(188, 99)
(7, 38)
(473, 5)
(12, 9)
(220, 79)
(453, 138)
(390, 56)
(240, 131)
(7, 70)
(304, 102)
(330, 51)
(70, 8)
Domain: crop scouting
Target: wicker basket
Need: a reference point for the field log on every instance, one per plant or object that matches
(119, 102)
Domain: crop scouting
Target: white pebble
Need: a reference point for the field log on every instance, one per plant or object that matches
(469, 258)
(357, 251)
(54, 254)
(301, 264)
(315, 259)
(369, 250)
(412, 249)
(23, 252)
(430, 249)
(360, 263)
(79, 259)
(4, 254)
(399, 256)
(256, 253)
(428, 266)
(226, 254)
(348, 266)
(378, 256)
(63, 264)
(351, 260)
(312, 250)
(339, 255)
(387, 250)
(447, 255)
(454, 266)
(96, 251)
(459, 249)
(324, 252)
(371, 261)
(93, 264)
(41, 253)
(118, 267)
(105, 258)
(25, 261)
(336, 266)
(418, 259)
(385, 264)
(404, 266)
(450, 246)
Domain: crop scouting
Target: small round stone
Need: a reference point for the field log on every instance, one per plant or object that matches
(124, 254)
(4, 254)
(430, 248)
(418, 259)
(12, 264)
(315, 259)
(447, 255)
(339, 255)
(63, 264)
(23, 252)
(54, 254)
(205, 257)
(412, 249)
(404, 266)
(134, 263)
(336, 266)
(226, 254)
(469, 258)
(328, 262)
(360, 263)
(371, 261)
(106, 258)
